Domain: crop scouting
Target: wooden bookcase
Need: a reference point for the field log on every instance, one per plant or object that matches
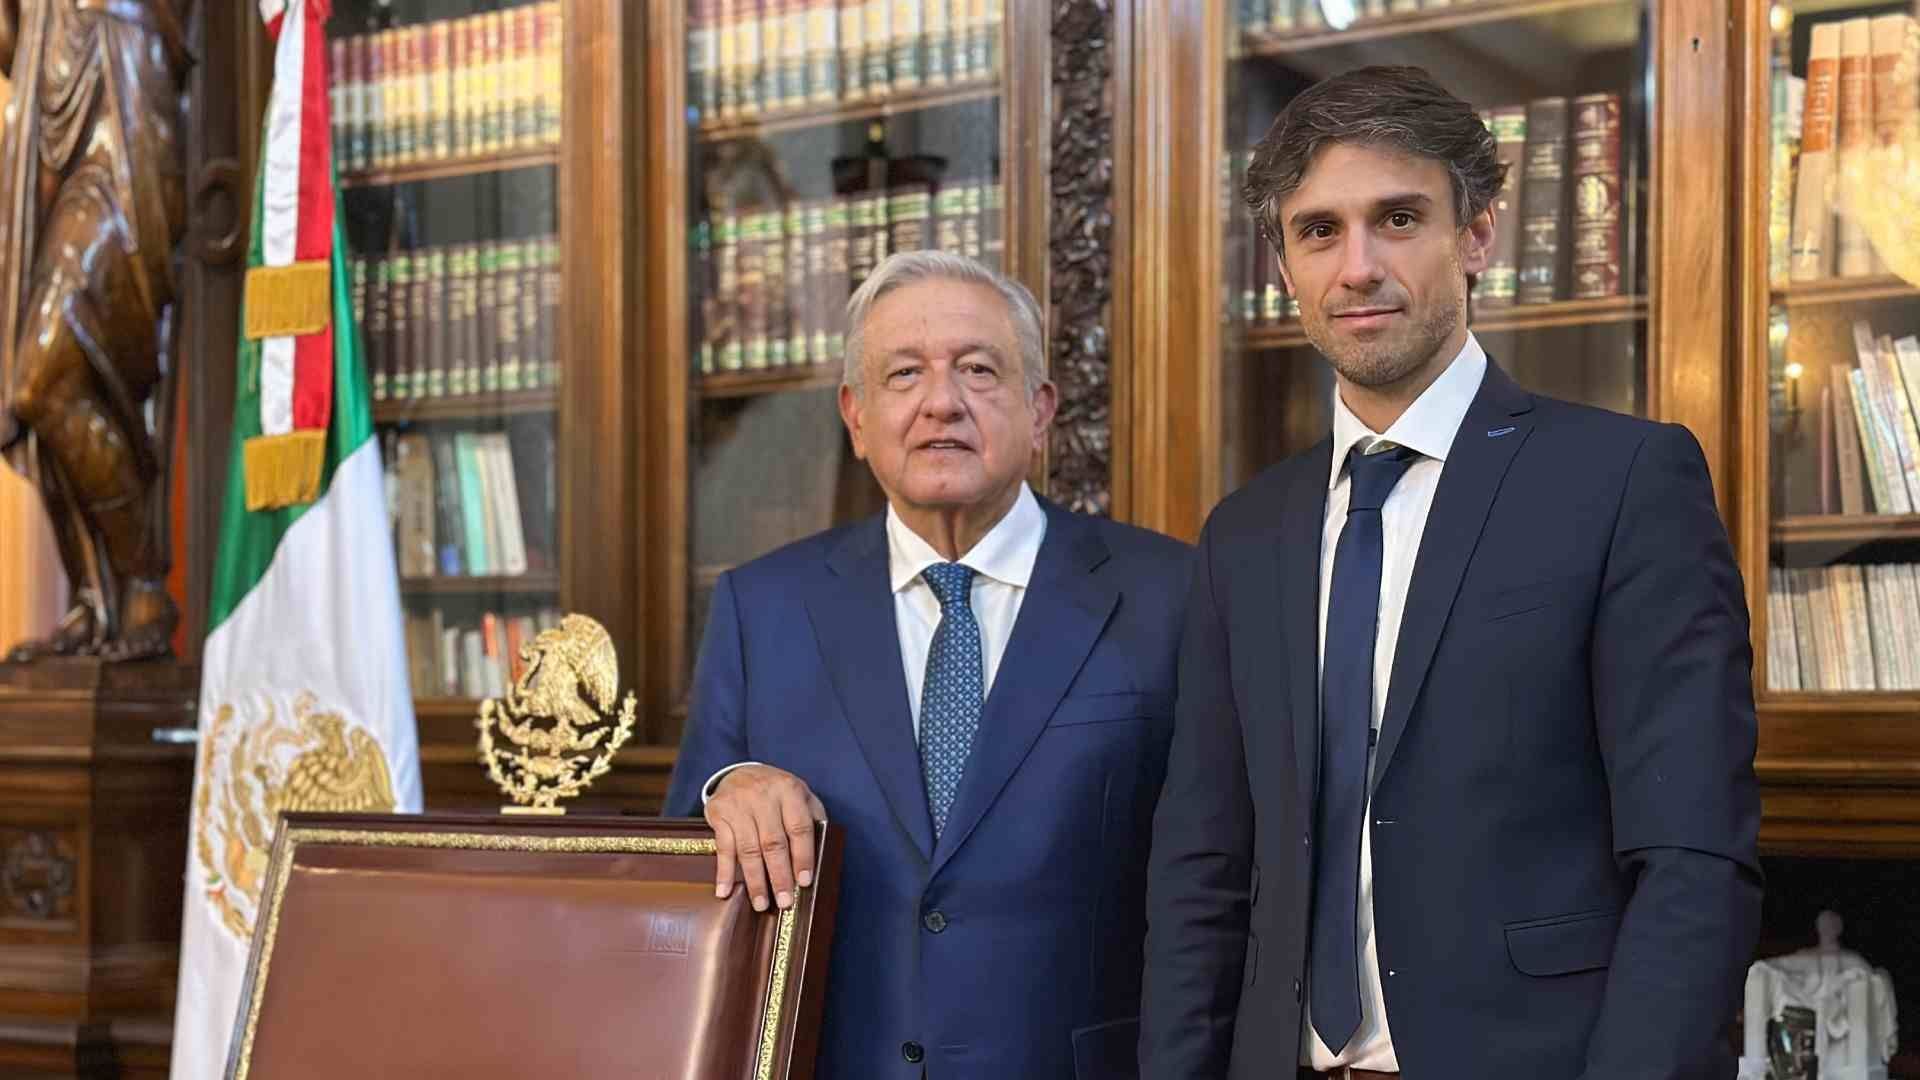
(520, 378)
(1840, 767)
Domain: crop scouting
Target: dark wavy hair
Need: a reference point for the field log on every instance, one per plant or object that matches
(1402, 108)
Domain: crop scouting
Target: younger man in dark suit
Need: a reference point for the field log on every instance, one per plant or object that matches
(1461, 782)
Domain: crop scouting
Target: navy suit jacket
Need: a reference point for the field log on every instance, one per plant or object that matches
(1564, 813)
(1040, 875)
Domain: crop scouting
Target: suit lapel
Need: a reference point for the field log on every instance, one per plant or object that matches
(1301, 528)
(1475, 467)
(1061, 617)
(853, 619)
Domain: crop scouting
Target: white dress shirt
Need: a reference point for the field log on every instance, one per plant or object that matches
(1002, 563)
(1428, 426)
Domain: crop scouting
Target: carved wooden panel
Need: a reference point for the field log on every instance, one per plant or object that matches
(37, 874)
(1080, 459)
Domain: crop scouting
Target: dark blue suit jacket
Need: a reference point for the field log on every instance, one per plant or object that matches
(1040, 873)
(1564, 815)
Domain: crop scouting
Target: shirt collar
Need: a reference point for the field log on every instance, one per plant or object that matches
(1006, 554)
(1429, 424)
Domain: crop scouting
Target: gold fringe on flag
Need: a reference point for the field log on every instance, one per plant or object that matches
(287, 301)
(284, 470)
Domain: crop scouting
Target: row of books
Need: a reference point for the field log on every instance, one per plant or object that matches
(1869, 449)
(464, 319)
(746, 58)
(470, 660)
(1844, 627)
(472, 503)
(1859, 97)
(776, 280)
(480, 84)
(1553, 239)
(1289, 16)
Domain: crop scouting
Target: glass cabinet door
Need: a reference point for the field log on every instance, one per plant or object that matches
(1843, 354)
(823, 136)
(1566, 88)
(447, 124)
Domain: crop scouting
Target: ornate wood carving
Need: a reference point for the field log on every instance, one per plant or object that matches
(36, 875)
(1080, 461)
(93, 205)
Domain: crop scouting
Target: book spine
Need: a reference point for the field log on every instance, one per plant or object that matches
(525, 66)
(1542, 193)
(1849, 457)
(992, 236)
(823, 51)
(860, 260)
(1898, 410)
(339, 82)
(749, 37)
(879, 47)
(1876, 442)
(879, 246)
(799, 342)
(996, 40)
(552, 72)
(457, 76)
(852, 17)
(833, 285)
(723, 324)
(533, 335)
(970, 221)
(453, 322)
(938, 61)
(400, 328)
(1283, 15)
(508, 338)
(815, 296)
(1853, 255)
(408, 81)
(773, 277)
(793, 54)
(420, 326)
(494, 83)
(1789, 98)
(1895, 99)
(1596, 196)
(966, 17)
(380, 98)
(1500, 285)
(1811, 250)
(909, 214)
(550, 296)
(486, 345)
(439, 350)
(702, 61)
(727, 53)
(908, 38)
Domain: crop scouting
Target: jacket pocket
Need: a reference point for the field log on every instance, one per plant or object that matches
(1108, 1050)
(1108, 708)
(1564, 944)
(1505, 603)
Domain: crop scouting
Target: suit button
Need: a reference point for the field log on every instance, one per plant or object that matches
(1296, 991)
(913, 1053)
(934, 922)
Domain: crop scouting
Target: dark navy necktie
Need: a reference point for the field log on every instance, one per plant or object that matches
(1346, 721)
(953, 691)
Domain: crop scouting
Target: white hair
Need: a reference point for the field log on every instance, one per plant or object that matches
(907, 267)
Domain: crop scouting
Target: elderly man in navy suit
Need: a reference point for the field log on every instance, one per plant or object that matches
(1462, 775)
(977, 684)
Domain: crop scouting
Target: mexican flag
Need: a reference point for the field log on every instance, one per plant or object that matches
(304, 702)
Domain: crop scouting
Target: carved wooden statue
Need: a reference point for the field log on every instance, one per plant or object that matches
(92, 207)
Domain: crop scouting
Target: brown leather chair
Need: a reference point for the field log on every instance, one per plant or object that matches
(472, 947)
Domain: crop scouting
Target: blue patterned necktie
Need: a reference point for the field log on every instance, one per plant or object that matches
(951, 696)
(1346, 721)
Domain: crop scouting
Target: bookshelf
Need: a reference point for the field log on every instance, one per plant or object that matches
(491, 380)
(1829, 537)
(1566, 307)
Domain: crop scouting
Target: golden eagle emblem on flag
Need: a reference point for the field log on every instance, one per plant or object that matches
(254, 768)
